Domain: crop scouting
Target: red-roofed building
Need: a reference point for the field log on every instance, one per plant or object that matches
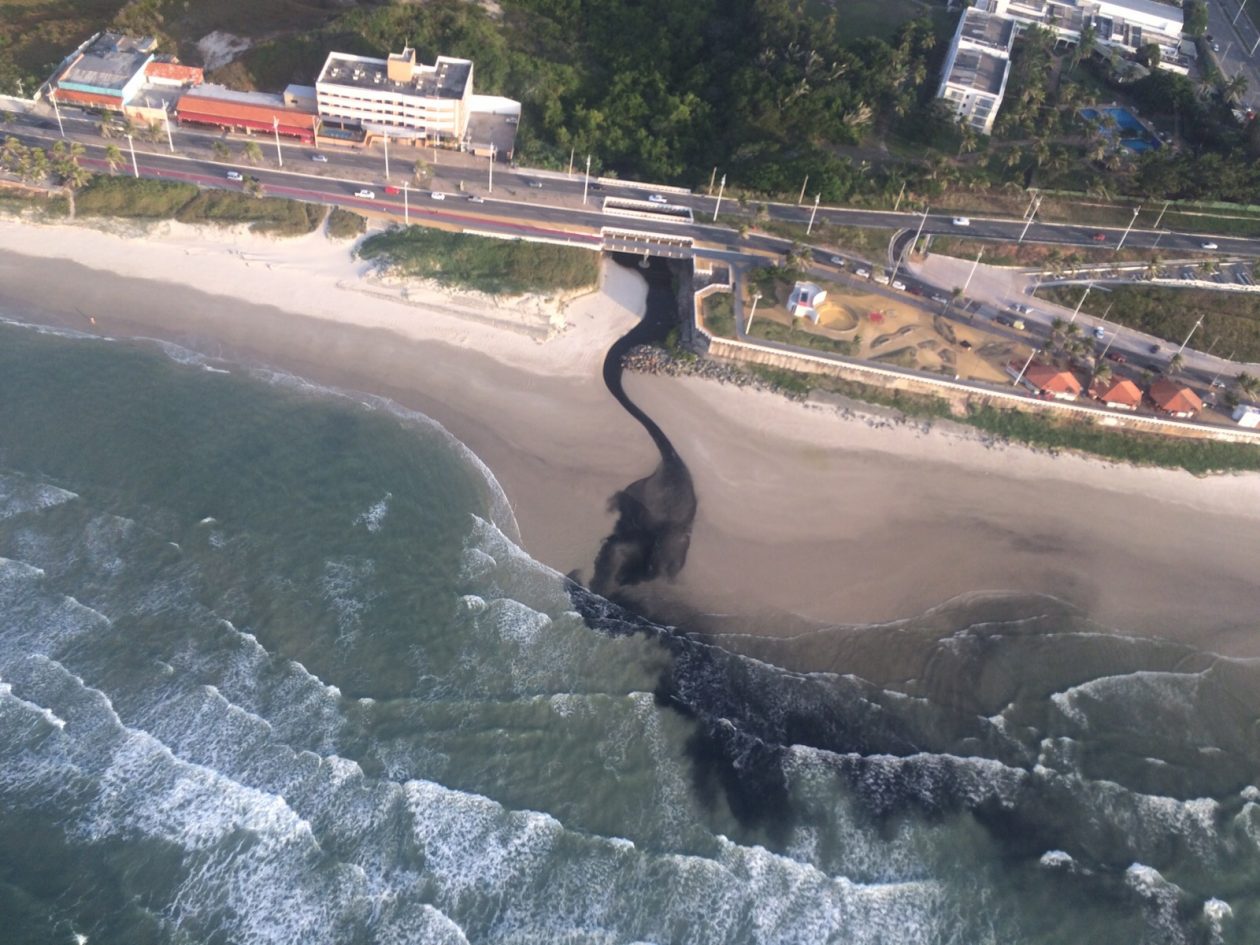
(173, 74)
(1122, 394)
(1051, 381)
(1174, 399)
(246, 111)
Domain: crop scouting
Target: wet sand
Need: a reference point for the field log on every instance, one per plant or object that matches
(801, 511)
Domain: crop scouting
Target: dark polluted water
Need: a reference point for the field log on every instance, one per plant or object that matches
(273, 669)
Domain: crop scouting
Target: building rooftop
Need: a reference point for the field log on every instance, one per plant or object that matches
(110, 61)
(447, 78)
(1152, 9)
(984, 29)
(1053, 379)
(1123, 391)
(981, 71)
(1172, 397)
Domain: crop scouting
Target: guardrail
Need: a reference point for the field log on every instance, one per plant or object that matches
(639, 185)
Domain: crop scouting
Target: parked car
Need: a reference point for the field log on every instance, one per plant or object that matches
(437, 195)
(1099, 237)
(881, 278)
(899, 285)
(320, 158)
(365, 194)
(836, 261)
(1005, 320)
(965, 345)
(597, 186)
(473, 198)
(1116, 356)
(1216, 47)
(1021, 308)
(234, 175)
(657, 198)
(939, 299)
(392, 191)
(1208, 245)
(1099, 333)
(1155, 349)
(536, 184)
(862, 273)
(962, 221)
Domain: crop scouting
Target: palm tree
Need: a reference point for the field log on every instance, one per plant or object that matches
(220, 150)
(113, 157)
(1102, 372)
(154, 133)
(105, 128)
(1235, 88)
(252, 152)
(969, 141)
(1175, 363)
(253, 186)
(1249, 384)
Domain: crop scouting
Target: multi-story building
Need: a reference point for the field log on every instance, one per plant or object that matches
(105, 72)
(396, 97)
(978, 62)
(977, 67)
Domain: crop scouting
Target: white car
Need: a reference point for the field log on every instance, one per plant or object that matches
(321, 158)
(234, 175)
(837, 261)
(962, 221)
(437, 195)
(473, 198)
(657, 198)
(365, 194)
(881, 278)
(1208, 245)
(899, 285)
(1099, 332)
(863, 273)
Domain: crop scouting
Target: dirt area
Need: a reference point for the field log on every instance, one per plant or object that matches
(881, 329)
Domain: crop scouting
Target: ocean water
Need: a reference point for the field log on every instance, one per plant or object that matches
(274, 669)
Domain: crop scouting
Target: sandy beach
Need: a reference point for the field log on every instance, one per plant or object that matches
(837, 518)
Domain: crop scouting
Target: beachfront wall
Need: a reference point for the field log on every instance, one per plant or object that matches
(961, 394)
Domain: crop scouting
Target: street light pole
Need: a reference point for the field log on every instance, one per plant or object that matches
(909, 246)
(1114, 335)
(801, 199)
(1035, 206)
(756, 299)
(1217, 375)
(385, 138)
(718, 205)
(135, 168)
(1160, 218)
(1036, 198)
(571, 150)
(972, 273)
(406, 206)
(712, 178)
(57, 111)
(1136, 211)
(1084, 296)
(275, 127)
(1191, 335)
(812, 213)
(1020, 376)
(1242, 6)
(166, 117)
(586, 181)
(491, 188)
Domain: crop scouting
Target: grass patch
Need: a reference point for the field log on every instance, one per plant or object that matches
(801, 338)
(719, 314)
(16, 200)
(134, 198)
(345, 224)
(273, 215)
(1231, 320)
(500, 267)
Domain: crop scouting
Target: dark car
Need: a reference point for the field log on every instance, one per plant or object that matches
(965, 345)
(1116, 356)
(1005, 320)
(1100, 237)
(597, 186)
(1155, 349)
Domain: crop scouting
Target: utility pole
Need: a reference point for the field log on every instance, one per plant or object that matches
(1032, 215)
(1242, 6)
(817, 197)
(1036, 199)
(900, 194)
(586, 181)
(491, 168)
(166, 117)
(718, 206)
(1254, 45)
(406, 206)
(1114, 335)
(571, 150)
(275, 127)
(1217, 375)
(57, 111)
(1191, 335)
(909, 246)
(756, 299)
(135, 168)
(1020, 376)
(712, 178)
(1084, 296)
(801, 199)
(1136, 211)
(972, 273)
(1160, 218)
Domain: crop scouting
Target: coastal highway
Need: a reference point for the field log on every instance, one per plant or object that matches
(545, 197)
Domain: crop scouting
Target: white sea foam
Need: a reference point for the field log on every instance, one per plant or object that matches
(20, 495)
(1056, 859)
(375, 515)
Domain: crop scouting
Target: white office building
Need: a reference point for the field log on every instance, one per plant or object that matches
(397, 96)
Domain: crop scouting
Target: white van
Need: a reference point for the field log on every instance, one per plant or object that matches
(365, 194)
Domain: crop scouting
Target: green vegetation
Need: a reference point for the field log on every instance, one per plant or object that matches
(164, 200)
(345, 225)
(719, 314)
(129, 197)
(17, 200)
(1231, 320)
(274, 215)
(501, 267)
(800, 337)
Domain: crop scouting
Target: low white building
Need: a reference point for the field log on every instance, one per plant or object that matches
(1247, 416)
(805, 299)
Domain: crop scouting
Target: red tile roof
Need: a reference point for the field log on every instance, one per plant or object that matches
(87, 98)
(193, 75)
(1123, 391)
(1047, 377)
(1171, 397)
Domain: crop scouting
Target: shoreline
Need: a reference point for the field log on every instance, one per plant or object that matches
(804, 511)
